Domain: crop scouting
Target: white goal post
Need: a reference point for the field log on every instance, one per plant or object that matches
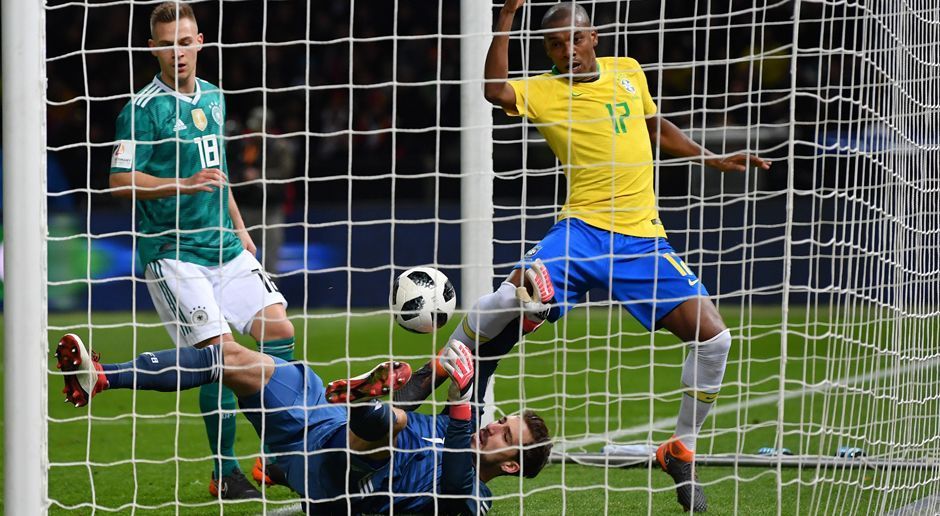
(25, 350)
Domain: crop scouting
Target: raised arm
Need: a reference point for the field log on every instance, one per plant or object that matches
(496, 70)
(143, 186)
(676, 143)
(458, 471)
(458, 466)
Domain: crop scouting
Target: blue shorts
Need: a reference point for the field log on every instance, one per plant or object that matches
(292, 417)
(644, 274)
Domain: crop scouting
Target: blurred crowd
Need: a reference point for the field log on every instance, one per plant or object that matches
(359, 88)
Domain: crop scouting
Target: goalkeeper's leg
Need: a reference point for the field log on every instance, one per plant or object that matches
(218, 404)
(168, 370)
(372, 424)
(253, 305)
(274, 334)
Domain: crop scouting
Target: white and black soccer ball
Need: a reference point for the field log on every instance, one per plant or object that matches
(423, 299)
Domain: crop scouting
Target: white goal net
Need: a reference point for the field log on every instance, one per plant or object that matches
(358, 144)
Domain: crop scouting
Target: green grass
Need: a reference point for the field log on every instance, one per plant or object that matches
(592, 377)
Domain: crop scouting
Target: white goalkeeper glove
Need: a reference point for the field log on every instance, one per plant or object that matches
(535, 295)
(456, 361)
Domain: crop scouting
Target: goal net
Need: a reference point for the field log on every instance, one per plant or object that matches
(358, 144)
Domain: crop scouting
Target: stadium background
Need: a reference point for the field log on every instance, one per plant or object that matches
(334, 173)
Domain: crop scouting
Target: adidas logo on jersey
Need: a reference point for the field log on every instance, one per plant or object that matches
(180, 126)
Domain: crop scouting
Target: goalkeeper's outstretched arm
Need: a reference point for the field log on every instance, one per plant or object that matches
(459, 471)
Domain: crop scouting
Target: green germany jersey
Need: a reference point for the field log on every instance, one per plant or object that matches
(167, 134)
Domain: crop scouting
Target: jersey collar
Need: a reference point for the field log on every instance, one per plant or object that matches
(600, 70)
(189, 99)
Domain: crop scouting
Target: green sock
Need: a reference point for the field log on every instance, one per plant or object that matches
(223, 450)
(283, 349)
(280, 348)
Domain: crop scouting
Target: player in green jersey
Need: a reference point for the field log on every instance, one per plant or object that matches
(200, 267)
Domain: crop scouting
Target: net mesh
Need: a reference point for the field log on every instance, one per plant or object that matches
(343, 151)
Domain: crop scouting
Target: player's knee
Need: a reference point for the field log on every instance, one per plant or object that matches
(238, 357)
(272, 324)
(711, 325)
(233, 353)
(515, 277)
(505, 296)
(706, 362)
(371, 422)
(212, 341)
(717, 347)
(277, 330)
(712, 330)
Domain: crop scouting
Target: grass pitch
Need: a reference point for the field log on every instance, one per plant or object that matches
(595, 377)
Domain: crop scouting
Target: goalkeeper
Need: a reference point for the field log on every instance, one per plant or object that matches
(291, 411)
(199, 260)
(600, 121)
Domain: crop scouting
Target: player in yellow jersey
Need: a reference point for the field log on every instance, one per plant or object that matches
(599, 119)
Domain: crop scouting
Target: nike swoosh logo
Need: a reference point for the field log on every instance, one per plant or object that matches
(434, 440)
(692, 283)
(573, 94)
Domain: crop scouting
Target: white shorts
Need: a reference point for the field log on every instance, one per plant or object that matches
(197, 303)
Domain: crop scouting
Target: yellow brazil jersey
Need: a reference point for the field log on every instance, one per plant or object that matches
(598, 132)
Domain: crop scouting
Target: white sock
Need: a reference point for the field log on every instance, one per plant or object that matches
(702, 373)
(692, 413)
(489, 316)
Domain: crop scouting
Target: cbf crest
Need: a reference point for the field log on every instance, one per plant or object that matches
(627, 85)
(216, 113)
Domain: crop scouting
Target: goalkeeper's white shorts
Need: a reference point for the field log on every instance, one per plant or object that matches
(196, 302)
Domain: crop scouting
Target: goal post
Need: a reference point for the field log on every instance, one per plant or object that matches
(476, 155)
(25, 355)
(476, 165)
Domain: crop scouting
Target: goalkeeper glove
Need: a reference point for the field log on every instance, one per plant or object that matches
(456, 361)
(535, 296)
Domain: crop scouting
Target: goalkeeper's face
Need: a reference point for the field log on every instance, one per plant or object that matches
(499, 443)
(175, 45)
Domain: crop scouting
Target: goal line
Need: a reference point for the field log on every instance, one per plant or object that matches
(563, 450)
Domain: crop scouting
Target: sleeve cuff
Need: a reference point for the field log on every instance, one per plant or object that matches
(461, 412)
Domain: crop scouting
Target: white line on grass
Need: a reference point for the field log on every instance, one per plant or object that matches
(667, 423)
(287, 509)
(924, 506)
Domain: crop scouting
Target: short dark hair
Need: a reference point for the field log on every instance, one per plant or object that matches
(565, 10)
(170, 12)
(535, 454)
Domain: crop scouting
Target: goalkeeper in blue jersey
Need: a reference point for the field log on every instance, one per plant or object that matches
(199, 261)
(337, 455)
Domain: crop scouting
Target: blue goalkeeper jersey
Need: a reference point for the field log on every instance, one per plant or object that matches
(432, 456)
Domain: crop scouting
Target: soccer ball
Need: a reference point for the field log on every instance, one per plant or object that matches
(423, 299)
